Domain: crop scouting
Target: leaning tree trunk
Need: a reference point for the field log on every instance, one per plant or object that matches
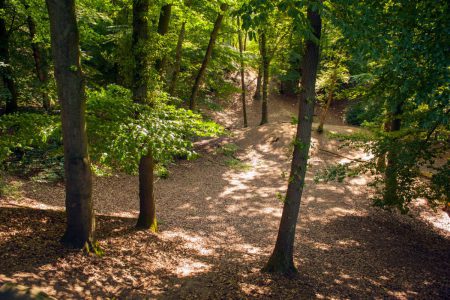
(281, 260)
(265, 82)
(212, 41)
(390, 195)
(177, 66)
(147, 210)
(163, 28)
(71, 94)
(5, 69)
(39, 61)
(241, 56)
(323, 116)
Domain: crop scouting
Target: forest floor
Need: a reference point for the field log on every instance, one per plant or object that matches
(218, 220)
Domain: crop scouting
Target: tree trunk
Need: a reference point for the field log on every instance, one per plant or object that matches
(390, 196)
(257, 95)
(281, 260)
(327, 107)
(147, 209)
(265, 82)
(245, 40)
(71, 94)
(5, 69)
(381, 162)
(163, 28)
(40, 64)
(147, 212)
(138, 49)
(178, 53)
(212, 41)
(244, 108)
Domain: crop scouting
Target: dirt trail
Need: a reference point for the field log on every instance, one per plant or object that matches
(218, 226)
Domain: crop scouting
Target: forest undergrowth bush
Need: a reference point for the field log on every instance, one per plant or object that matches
(31, 144)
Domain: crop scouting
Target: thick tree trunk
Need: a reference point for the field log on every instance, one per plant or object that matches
(212, 41)
(5, 69)
(147, 211)
(177, 66)
(390, 196)
(138, 49)
(70, 86)
(244, 108)
(281, 260)
(257, 95)
(40, 63)
(163, 28)
(265, 82)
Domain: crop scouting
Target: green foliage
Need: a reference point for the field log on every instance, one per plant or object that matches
(121, 131)
(229, 149)
(161, 171)
(31, 146)
(413, 155)
(362, 112)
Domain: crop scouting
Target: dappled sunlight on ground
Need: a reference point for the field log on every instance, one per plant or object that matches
(217, 228)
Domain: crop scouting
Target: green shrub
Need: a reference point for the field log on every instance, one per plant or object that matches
(119, 133)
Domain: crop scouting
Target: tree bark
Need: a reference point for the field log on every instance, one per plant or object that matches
(281, 260)
(147, 207)
(163, 28)
(40, 63)
(390, 196)
(70, 86)
(257, 95)
(241, 56)
(327, 107)
(138, 49)
(212, 41)
(178, 53)
(265, 81)
(6, 70)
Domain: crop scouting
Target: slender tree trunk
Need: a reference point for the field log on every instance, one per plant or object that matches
(390, 195)
(71, 94)
(245, 40)
(212, 41)
(257, 95)
(5, 69)
(178, 53)
(265, 82)
(163, 28)
(147, 209)
(244, 108)
(381, 162)
(281, 260)
(40, 64)
(327, 107)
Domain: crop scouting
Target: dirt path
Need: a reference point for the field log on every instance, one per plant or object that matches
(217, 228)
